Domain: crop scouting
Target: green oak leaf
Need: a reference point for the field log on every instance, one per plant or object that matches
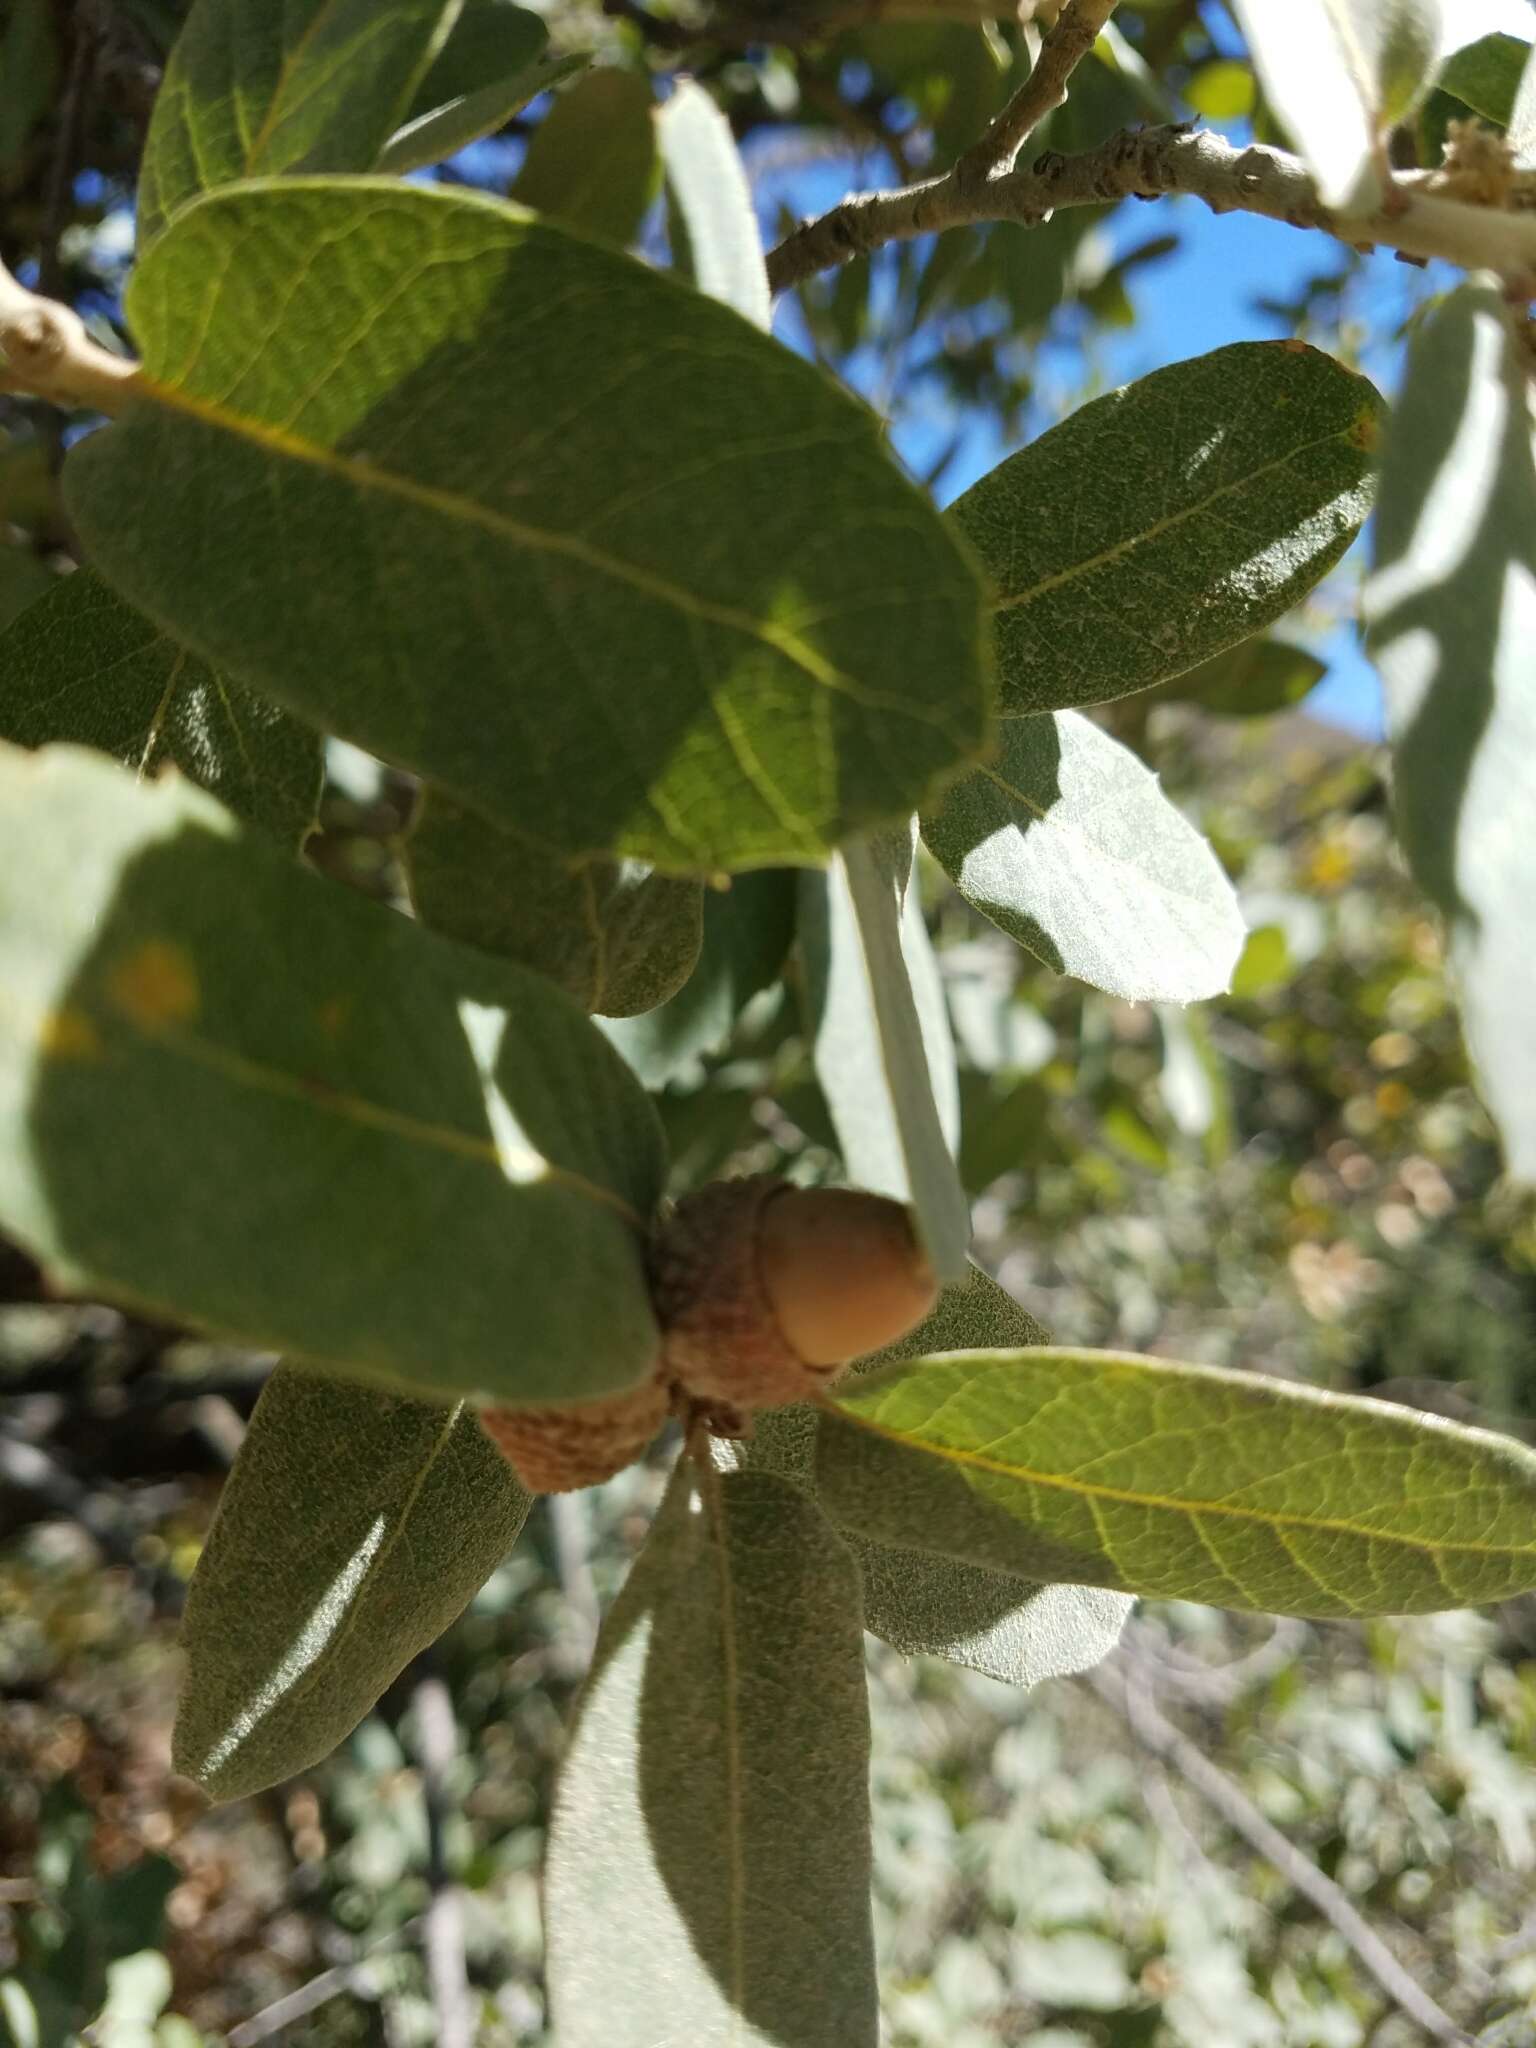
(1252, 680)
(1067, 843)
(1181, 1482)
(310, 85)
(431, 137)
(353, 1529)
(1240, 477)
(1451, 608)
(240, 1095)
(1485, 76)
(82, 665)
(489, 39)
(615, 935)
(749, 928)
(576, 625)
(592, 163)
(708, 1871)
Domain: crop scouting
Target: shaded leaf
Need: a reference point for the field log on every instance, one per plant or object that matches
(489, 40)
(1252, 680)
(1181, 1482)
(723, 247)
(1240, 478)
(1452, 616)
(592, 163)
(84, 666)
(881, 1044)
(722, 663)
(748, 931)
(238, 1094)
(23, 580)
(708, 1870)
(615, 935)
(353, 1529)
(1067, 843)
(433, 136)
(254, 90)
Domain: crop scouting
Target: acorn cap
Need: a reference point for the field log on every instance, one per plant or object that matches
(557, 1450)
(764, 1289)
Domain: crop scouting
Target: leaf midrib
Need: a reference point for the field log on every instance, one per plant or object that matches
(1169, 523)
(366, 476)
(1164, 1503)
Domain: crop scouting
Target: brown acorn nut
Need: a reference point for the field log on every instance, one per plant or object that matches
(557, 1450)
(764, 1289)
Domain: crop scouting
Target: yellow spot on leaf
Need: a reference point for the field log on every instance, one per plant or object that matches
(1365, 433)
(68, 1035)
(155, 985)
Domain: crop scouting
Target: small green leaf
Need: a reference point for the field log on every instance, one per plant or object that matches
(731, 661)
(1451, 607)
(353, 1530)
(239, 1094)
(615, 935)
(489, 40)
(1067, 843)
(592, 163)
(1485, 76)
(433, 136)
(1252, 680)
(1181, 1482)
(311, 85)
(708, 1871)
(748, 931)
(1240, 478)
(881, 1043)
(82, 665)
(723, 249)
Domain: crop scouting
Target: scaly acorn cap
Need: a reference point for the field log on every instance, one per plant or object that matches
(557, 1450)
(764, 1289)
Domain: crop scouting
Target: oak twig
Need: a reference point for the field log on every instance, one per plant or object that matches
(1074, 35)
(1171, 1746)
(1152, 163)
(46, 352)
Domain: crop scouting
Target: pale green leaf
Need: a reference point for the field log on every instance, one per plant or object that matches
(708, 1871)
(592, 163)
(1452, 614)
(1240, 477)
(574, 623)
(353, 1530)
(1067, 843)
(439, 133)
(238, 1094)
(1485, 75)
(310, 85)
(82, 665)
(1180, 1482)
(615, 935)
(748, 931)
(881, 1044)
(724, 249)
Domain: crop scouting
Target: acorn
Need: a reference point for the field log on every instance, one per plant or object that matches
(557, 1450)
(764, 1289)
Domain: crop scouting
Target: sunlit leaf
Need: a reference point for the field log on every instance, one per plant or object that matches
(1452, 612)
(724, 250)
(1179, 1481)
(1067, 843)
(719, 664)
(1240, 477)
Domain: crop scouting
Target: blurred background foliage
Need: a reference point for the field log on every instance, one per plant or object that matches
(1296, 1179)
